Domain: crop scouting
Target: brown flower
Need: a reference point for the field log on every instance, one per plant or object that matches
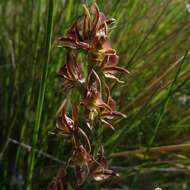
(65, 125)
(81, 156)
(88, 31)
(99, 169)
(93, 103)
(70, 72)
(107, 115)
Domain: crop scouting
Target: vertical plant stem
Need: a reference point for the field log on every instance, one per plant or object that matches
(162, 113)
(24, 126)
(47, 48)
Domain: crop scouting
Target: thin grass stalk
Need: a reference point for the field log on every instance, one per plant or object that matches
(152, 88)
(147, 35)
(36, 42)
(162, 112)
(133, 120)
(159, 149)
(41, 95)
(135, 54)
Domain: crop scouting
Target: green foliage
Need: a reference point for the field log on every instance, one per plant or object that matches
(152, 40)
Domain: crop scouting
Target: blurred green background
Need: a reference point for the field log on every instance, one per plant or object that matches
(152, 40)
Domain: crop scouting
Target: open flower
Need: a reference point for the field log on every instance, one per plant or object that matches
(70, 72)
(69, 127)
(87, 31)
(90, 32)
(81, 156)
(65, 125)
(99, 169)
(107, 115)
(93, 103)
(109, 65)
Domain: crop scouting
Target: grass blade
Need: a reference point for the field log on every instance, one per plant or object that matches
(41, 95)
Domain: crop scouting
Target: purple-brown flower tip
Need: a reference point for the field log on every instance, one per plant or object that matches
(65, 125)
(70, 72)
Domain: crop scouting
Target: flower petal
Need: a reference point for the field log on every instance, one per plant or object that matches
(72, 31)
(107, 124)
(66, 42)
(96, 12)
(74, 112)
(115, 68)
(111, 76)
(103, 174)
(116, 113)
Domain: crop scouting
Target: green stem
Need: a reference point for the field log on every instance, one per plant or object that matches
(41, 95)
(163, 110)
(23, 129)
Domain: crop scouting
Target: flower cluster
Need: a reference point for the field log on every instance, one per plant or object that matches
(89, 33)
